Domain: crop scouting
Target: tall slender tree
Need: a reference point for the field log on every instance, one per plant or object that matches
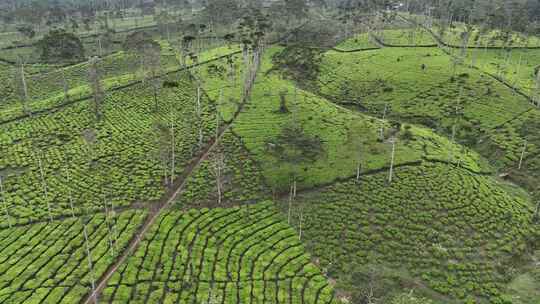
(22, 85)
(393, 141)
(44, 184)
(4, 202)
(97, 90)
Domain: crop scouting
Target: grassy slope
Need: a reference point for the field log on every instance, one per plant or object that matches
(46, 89)
(125, 150)
(47, 262)
(435, 226)
(341, 132)
(515, 67)
(231, 255)
(487, 115)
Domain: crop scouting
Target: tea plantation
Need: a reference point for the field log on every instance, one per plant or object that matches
(453, 229)
(385, 156)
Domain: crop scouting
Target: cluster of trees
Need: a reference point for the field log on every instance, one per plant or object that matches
(516, 15)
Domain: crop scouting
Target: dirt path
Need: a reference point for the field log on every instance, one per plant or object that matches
(167, 200)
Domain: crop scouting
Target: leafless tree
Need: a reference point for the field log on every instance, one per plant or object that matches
(218, 166)
(44, 185)
(291, 197)
(393, 140)
(536, 199)
(151, 54)
(300, 223)
(4, 201)
(23, 87)
(382, 121)
(538, 88)
(65, 84)
(162, 140)
(522, 155)
(536, 215)
(358, 167)
(97, 90)
(89, 258)
(70, 195)
(173, 152)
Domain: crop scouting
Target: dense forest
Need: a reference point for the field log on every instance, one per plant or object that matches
(270, 151)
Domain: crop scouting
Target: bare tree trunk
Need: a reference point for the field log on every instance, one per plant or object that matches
(522, 155)
(114, 226)
(537, 212)
(382, 121)
(4, 201)
(70, 196)
(173, 154)
(294, 187)
(44, 185)
(24, 87)
(390, 175)
(65, 85)
(538, 88)
(290, 205)
(156, 105)
(199, 113)
(218, 182)
(218, 167)
(97, 90)
(358, 167)
(90, 266)
(300, 225)
(108, 223)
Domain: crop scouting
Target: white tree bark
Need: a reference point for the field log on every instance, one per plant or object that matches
(65, 85)
(4, 201)
(538, 88)
(24, 86)
(173, 153)
(218, 167)
(300, 225)
(90, 266)
(294, 188)
(108, 224)
(382, 121)
(391, 173)
(44, 185)
(70, 196)
(290, 205)
(358, 171)
(522, 155)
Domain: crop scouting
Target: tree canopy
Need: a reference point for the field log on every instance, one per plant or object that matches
(59, 45)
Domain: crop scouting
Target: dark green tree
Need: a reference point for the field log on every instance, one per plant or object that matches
(60, 46)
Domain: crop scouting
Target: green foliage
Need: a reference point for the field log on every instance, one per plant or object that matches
(299, 62)
(409, 298)
(240, 255)
(123, 161)
(138, 41)
(447, 226)
(461, 103)
(60, 46)
(47, 262)
(294, 145)
(241, 178)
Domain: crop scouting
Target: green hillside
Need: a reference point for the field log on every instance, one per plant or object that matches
(276, 152)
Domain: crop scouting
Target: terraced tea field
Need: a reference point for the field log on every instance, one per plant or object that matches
(404, 171)
(47, 157)
(240, 255)
(449, 227)
(460, 102)
(49, 262)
